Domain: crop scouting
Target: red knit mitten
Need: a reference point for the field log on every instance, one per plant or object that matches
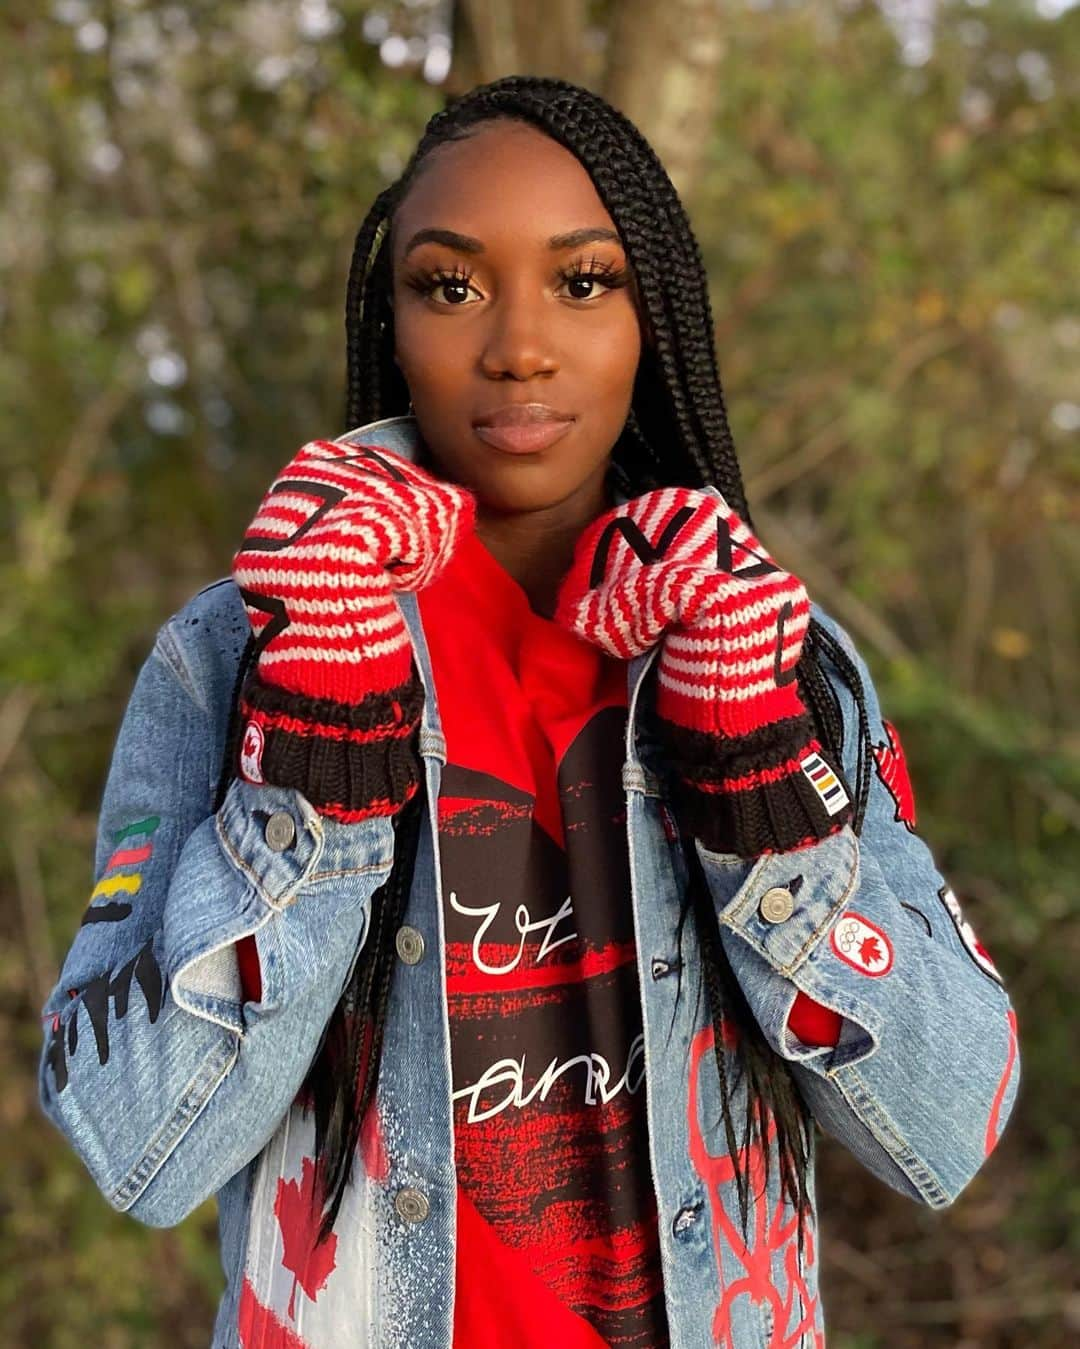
(681, 565)
(333, 704)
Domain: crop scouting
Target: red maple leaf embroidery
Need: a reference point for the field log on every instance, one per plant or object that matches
(869, 951)
(298, 1217)
(251, 743)
(892, 769)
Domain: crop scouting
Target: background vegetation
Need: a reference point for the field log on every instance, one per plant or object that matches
(887, 204)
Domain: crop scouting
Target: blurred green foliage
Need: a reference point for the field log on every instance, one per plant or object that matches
(893, 256)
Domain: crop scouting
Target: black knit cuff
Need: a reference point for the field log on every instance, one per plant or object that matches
(771, 791)
(350, 760)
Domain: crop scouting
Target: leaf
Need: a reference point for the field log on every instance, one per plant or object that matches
(298, 1217)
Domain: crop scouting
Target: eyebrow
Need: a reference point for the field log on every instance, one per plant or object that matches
(465, 243)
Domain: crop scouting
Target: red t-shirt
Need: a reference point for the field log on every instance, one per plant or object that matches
(557, 1236)
(557, 1224)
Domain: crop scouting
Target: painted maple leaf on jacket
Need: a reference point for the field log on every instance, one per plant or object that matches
(893, 771)
(298, 1217)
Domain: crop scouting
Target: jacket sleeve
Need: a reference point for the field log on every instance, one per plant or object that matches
(925, 1070)
(163, 1079)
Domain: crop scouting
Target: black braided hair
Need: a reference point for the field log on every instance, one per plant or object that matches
(676, 434)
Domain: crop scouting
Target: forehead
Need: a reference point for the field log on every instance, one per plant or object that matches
(505, 179)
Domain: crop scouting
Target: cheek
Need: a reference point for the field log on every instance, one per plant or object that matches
(612, 358)
(426, 354)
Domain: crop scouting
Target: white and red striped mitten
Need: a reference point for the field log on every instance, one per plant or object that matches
(679, 564)
(333, 704)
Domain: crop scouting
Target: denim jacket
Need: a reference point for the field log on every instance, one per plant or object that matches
(172, 1088)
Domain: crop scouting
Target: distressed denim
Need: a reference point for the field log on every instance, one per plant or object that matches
(172, 1088)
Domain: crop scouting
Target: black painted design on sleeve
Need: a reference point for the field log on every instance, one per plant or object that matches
(114, 912)
(919, 914)
(64, 1043)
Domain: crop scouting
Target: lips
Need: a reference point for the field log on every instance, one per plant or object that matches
(523, 428)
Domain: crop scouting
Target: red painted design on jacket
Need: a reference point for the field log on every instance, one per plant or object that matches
(373, 1145)
(772, 1231)
(298, 1214)
(992, 1134)
(893, 771)
(259, 1328)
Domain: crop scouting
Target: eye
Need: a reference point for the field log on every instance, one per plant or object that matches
(595, 273)
(455, 283)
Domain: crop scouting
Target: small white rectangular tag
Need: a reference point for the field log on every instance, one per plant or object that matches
(824, 781)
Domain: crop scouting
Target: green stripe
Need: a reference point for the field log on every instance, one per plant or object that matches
(146, 826)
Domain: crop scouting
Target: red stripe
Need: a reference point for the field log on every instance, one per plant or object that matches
(380, 806)
(999, 1095)
(748, 781)
(526, 976)
(126, 857)
(318, 730)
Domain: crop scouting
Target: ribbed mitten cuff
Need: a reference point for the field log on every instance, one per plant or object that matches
(770, 791)
(350, 760)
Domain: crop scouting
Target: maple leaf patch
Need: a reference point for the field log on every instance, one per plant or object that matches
(251, 752)
(298, 1216)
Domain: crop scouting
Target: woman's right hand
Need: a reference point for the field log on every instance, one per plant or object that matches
(341, 528)
(333, 702)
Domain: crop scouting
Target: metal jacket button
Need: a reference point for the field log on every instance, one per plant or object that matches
(412, 1204)
(777, 905)
(410, 945)
(280, 831)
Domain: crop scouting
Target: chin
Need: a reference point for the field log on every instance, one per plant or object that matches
(513, 493)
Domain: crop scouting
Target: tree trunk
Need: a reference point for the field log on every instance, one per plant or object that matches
(662, 62)
(493, 38)
(664, 74)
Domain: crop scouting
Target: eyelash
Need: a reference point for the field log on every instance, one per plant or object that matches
(610, 274)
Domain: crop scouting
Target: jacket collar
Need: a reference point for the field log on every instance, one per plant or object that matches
(401, 435)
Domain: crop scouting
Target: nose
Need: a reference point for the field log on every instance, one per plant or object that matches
(518, 344)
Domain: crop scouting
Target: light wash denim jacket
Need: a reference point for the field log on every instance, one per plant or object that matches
(171, 1088)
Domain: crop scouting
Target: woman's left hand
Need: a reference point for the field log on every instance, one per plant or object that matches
(679, 565)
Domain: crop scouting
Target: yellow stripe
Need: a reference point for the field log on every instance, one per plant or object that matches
(127, 884)
(826, 782)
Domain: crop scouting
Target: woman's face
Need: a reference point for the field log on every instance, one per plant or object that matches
(493, 314)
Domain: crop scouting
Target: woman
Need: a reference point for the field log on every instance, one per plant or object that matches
(512, 863)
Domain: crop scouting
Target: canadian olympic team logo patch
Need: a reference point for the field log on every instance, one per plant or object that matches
(251, 752)
(862, 945)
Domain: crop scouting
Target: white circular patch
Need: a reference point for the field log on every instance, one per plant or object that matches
(251, 752)
(975, 949)
(861, 945)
